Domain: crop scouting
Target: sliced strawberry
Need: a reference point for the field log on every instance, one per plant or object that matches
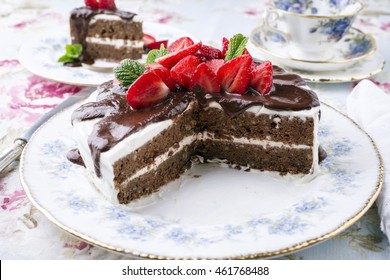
(210, 52)
(214, 64)
(225, 45)
(180, 44)
(92, 4)
(157, 44)
(148, 39)
(183, 71)
(206, 79)
(107, 4)
(235, 74)
(148, 90)
(163, 73)
(201, 57)
(261, 77)
(171, 59)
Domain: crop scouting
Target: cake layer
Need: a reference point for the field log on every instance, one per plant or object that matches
(151, 181)
(296, 128)
(145, 155)
(113, 52)
(113, 27)
(106, 34)
(282, 159)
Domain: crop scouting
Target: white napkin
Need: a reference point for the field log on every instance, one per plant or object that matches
(369, 106)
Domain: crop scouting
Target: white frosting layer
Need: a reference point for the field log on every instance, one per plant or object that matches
(136, 18)
(117, 43)
(134, 141)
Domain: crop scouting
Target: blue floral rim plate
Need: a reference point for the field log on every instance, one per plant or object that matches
(40, 56)
(212, 211)
(353, 47)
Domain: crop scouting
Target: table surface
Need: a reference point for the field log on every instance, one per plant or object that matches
(25, 233)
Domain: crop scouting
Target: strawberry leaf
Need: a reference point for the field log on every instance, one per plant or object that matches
(154, 54)
(236, 46)
(128, 71)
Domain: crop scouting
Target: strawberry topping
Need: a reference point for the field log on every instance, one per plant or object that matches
(210, 52)
(261, 77)
(225, 46)
(148, 90)
(180, 44)
(214, 64)
(183, 71)
(163, 73)
(92, 4)
(205, 79)
(194, 67)
(171, 59)
(148, 39)
(107, 4)
(235, 74)
(157, 44)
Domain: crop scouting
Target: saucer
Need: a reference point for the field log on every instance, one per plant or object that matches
(354, 47)
(363, 69)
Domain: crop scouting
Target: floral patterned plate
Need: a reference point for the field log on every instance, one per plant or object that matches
(353, 47)
(40, 56)
(213, 211)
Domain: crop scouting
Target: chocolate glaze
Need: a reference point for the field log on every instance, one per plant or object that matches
(322, 154)
(118, 119)
(79, 22)
(75, 157)
(73, 64)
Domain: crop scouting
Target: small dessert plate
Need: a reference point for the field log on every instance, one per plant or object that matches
(40, 56)
(354, 47)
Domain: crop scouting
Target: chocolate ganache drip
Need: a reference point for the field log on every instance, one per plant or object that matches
(117, 119)
(80, 18)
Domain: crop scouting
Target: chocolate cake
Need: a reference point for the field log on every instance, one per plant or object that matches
(109, 34)
(131, 152)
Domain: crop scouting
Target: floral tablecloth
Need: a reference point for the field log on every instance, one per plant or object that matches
(25, 233)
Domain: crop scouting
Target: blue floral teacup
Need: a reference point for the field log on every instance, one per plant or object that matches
(310, 27)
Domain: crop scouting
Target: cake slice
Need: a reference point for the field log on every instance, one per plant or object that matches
(137, 138)
(106, 32)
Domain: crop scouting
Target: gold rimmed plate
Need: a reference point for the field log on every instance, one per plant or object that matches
(212, 211)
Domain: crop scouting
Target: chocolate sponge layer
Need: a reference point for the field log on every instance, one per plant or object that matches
(214, 132)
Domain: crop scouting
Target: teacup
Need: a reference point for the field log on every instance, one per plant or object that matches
(310, 27)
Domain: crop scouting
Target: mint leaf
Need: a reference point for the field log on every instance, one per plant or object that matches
(72, 54)
(65, 59)
(128, 71)
(74, 51)
(154, 54)
(236, 46)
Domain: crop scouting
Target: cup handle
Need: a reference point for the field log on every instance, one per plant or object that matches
(270, 18)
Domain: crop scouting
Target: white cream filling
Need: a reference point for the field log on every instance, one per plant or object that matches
(117, 43)
(134, 141)
(205, 136)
